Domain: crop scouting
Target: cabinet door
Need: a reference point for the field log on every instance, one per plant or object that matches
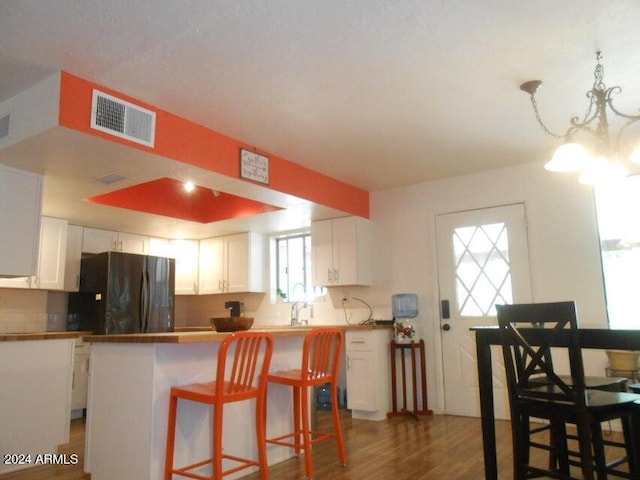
(160, 247)
(211, 266)
(186, 254)
(322, 253)
(53, 252)
(51, 258)
(19, 221)
(95, 240)
(361, 391)
(351, 251)
(73, 258)
(80, 382)
(237, 263)
(131, 243)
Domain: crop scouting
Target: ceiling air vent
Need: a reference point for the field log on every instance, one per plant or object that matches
(122, 119)
(108, 179)
(4, 126)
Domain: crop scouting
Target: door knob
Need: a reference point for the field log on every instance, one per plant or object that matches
(446, 327)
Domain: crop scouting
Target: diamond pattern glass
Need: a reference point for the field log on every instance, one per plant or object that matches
(483, 274)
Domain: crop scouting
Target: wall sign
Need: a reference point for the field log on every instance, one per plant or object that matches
(254, 166)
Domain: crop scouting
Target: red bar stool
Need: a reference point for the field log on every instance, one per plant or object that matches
(321, 355)
(242, 357)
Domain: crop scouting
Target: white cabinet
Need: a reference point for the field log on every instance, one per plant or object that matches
(232, 264)
(341, 252)
(80, 382)
(53, 253)
(160, 247)
(186, 254)
(51, 258)
(368, 373)
(96, 240)
(132, 243)
(211, 265)
(19, 221)
(73, 259)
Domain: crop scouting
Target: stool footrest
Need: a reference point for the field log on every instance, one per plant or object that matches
(184, 471)
(316, 437)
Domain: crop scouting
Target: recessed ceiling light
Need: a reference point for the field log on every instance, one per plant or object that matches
(189, 187)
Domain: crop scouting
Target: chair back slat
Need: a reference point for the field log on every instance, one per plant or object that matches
(321, 353)
(248, 364)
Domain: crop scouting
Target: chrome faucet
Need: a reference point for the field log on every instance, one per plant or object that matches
(297, 306)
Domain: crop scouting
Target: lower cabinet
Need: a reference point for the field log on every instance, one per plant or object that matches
(368, 373)
(80, 382)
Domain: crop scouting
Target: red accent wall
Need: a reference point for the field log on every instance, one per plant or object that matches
(185, 141)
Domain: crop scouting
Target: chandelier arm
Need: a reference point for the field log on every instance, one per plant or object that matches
(624, 127)
(614, 109)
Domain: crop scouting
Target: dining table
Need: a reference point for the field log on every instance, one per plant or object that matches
(486, 336)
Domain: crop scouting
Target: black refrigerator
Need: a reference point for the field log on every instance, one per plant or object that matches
(123, 293)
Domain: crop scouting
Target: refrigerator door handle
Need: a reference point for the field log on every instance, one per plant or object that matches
(144, 291)
(147, 303)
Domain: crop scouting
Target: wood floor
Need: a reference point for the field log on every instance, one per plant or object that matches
(438, 447)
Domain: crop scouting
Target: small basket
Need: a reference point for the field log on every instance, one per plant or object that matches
(231, 324)
(623, 359)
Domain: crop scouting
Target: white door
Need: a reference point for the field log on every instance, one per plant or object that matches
(483, 260)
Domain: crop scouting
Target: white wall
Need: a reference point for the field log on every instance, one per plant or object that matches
(563, 245)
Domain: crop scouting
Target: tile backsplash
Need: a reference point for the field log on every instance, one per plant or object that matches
(26, 311)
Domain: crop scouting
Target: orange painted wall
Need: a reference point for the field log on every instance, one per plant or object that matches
(185, 141)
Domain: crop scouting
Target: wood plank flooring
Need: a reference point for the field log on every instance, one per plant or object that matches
(438, 447)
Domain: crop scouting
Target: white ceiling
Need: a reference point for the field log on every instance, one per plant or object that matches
(376, 93)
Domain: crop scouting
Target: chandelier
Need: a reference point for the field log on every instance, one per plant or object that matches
(587, 145)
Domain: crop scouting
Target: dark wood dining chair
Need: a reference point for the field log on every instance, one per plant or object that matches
(534, 337)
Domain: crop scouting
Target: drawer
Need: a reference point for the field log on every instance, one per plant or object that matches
(81, 347)
(359, 341)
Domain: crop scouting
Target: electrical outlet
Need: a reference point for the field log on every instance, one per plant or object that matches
(346, 296)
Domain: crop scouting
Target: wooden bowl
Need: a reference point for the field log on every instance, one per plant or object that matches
(231, 324)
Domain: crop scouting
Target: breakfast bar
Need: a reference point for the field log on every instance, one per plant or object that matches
(130, 379)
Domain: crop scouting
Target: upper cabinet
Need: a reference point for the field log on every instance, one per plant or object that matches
(73, 258)
(19, 221)
(97, 241)
(53, 253)
(186, 254)
(50, 274)
(232, 264)
(341, 252)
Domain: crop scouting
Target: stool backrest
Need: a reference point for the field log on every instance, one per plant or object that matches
(321, 353)
(531, 335)
(243, 363)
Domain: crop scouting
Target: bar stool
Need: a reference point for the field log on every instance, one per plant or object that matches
(321, 355)
(242, 356)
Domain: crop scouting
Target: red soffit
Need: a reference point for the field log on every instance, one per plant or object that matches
(167, 197)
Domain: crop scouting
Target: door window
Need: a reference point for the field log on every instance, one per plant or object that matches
(482, 268)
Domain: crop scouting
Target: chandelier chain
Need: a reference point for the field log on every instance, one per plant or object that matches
(539, 119)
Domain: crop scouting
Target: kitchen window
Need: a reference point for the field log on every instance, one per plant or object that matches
(619, 228)
(293, 274)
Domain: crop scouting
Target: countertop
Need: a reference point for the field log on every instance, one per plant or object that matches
(206, 334)
(12, 337)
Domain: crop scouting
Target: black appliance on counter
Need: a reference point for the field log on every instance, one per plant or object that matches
(123, 293)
